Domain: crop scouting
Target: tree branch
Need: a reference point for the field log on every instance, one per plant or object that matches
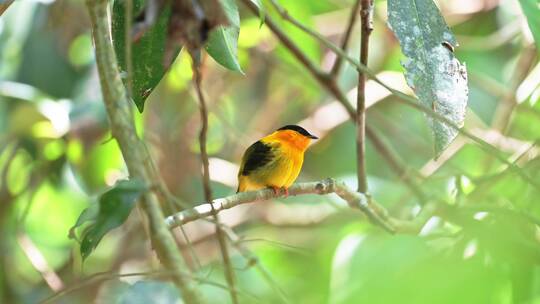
(323, 78)
(396, 164)
(366, 20)
(253, 260)
(346, 37)
(4, 6)
(354, 199)
(229, 272)
(133, 150)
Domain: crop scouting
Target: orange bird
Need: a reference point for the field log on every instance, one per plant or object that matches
(275, 160)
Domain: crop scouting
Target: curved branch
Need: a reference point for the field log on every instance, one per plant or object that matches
(354, 199)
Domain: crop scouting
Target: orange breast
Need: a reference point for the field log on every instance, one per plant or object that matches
(293, 147)
(283, 170)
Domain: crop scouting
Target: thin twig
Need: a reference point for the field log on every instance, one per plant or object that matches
(396, 164)
(346, 37)
(366, 20)
(39, 262)
(253, 260)
(229, 271)
(323, 78)
(354, 200)
(123, 130)
(4, 6)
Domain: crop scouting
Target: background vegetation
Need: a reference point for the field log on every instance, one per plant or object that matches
(474, 212)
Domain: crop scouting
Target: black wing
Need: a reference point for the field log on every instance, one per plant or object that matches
(256, 156)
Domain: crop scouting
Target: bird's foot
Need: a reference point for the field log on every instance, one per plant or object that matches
(275, 189)
(280, 190)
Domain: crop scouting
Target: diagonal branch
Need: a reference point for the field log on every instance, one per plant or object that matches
(4, 6)
(346, 37)
(133, 150)
(354, 199)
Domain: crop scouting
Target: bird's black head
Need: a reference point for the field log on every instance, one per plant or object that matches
(299, 130)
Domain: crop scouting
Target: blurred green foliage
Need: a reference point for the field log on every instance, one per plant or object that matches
(56, 158)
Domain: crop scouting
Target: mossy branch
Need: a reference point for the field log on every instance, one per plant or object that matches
(373, 211)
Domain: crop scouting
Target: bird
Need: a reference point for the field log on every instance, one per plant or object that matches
(275, 160)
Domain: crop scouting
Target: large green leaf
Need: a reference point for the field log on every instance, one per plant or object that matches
(531, 9)
(437, 77)
(147, 52)
(222, 43)
(114, 207)
(407, 269)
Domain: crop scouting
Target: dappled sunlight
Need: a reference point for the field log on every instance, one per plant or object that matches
(381, 154)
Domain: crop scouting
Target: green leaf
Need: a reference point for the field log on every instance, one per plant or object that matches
(113, 208)
(531, 10)
(87, 215)
(408, 269)
(147, 53)
(222, 43)
(437, 77)
(262, 10)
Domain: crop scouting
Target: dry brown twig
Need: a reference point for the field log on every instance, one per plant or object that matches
(229, 271)
(366, 20)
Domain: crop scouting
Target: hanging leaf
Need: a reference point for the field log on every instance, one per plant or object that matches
(222, 44)
(531, 9)
(262, 11)
(147, 52)
(432, 71)
(112, 210)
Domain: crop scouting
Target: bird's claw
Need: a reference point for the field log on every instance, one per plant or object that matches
(279, 190)
(275, 189)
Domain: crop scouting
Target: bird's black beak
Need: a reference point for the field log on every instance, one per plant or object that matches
(312, 136)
